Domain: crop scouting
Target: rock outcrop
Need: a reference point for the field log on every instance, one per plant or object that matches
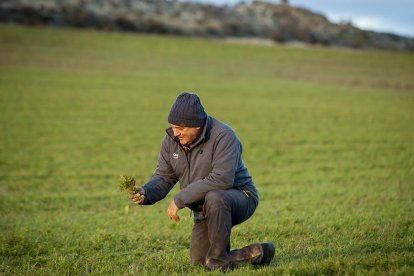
(258, 19)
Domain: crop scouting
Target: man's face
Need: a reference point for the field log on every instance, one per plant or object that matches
(186, 135)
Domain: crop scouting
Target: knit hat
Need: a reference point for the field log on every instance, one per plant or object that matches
(187, 110)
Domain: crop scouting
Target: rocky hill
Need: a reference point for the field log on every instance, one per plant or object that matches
(256, 19)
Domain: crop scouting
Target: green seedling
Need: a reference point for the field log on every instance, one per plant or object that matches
(127, 183)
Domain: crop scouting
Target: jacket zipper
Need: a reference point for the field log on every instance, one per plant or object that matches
(188, 157)
(189, 164)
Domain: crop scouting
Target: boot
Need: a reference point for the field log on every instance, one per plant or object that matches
(268, 250)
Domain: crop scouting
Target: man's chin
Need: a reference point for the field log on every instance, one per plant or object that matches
(185, 144)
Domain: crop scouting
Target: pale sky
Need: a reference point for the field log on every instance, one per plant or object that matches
(393, 16)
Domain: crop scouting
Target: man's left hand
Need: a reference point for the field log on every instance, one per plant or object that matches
(172, 211)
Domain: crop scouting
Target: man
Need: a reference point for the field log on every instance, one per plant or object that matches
(204, 155)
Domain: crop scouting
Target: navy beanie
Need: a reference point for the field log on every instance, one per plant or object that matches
(187, 110)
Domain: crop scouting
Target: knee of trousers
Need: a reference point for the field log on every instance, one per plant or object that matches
(215, 200)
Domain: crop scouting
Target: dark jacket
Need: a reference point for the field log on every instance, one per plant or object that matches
(213, 162)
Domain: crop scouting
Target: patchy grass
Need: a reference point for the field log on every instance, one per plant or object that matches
(328, 136)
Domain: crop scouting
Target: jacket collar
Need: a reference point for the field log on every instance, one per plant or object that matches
(204, 136)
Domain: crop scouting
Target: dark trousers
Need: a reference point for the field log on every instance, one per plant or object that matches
(210, 239)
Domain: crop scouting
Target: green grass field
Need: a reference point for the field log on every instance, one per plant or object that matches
(328, 137)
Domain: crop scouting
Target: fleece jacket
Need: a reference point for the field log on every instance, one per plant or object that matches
(212, 162)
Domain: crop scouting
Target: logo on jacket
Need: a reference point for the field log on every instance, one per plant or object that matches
(175, 155)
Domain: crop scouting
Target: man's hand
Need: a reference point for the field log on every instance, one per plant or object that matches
(138, 197)
(172, 211)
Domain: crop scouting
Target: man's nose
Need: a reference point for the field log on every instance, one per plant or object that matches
(176, 133)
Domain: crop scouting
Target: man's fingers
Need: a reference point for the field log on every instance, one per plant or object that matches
(137, 198)
(172, 211)
(174, 217)
(141, 200)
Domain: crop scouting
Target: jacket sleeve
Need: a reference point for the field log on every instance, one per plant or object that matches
(226, 157)
(163, 179)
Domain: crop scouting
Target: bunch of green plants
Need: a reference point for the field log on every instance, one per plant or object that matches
(127, 183)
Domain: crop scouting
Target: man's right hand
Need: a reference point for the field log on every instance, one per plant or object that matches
(138, 197)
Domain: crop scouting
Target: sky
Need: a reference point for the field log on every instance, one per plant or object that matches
(391, 16)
